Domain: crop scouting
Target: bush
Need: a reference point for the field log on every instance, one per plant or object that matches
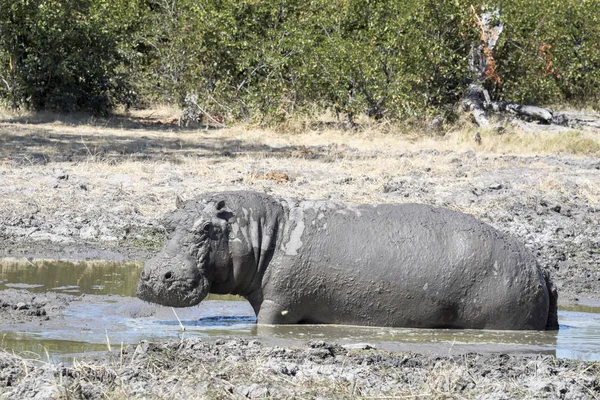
(549, 52)
(65, 55)
(273, 58)
(269, 59)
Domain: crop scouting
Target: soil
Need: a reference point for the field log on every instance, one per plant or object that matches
(22, 306)
(81, 192)
(237, 368)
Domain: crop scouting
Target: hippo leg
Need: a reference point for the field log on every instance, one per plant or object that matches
(272, 313)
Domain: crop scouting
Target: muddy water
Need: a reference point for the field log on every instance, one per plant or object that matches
(68, 277)
(109, 316)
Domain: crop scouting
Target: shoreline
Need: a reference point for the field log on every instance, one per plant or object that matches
(82, 192)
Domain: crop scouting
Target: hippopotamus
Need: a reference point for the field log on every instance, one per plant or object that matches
(320, 262)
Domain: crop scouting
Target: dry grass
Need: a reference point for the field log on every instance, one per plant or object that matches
(161, 123)
(143, 160)
(177, 370)
(585, 143)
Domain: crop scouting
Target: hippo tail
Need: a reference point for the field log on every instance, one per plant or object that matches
(552, 322)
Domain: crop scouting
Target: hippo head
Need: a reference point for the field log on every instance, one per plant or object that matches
(196, 255)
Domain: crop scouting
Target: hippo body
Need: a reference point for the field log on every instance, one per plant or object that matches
(401, 265)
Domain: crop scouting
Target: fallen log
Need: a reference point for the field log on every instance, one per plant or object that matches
(542, 115)
(577, 120)
(477, 102)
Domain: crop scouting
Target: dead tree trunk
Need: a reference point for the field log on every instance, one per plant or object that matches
(483, 69)
(483, 65)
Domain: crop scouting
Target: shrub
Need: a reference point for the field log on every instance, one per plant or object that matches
(264, 60)
(65, 55)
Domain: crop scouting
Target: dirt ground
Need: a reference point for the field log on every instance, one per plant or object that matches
(236, 369)
(97, 190)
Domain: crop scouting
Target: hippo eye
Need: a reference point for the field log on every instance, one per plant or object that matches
(206, 227)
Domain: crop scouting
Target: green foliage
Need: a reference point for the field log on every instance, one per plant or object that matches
(64, 55)
(550, 51)
(237, 55)
(271, 58)
(264, 60)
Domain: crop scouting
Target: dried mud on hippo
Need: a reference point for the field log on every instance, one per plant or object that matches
(403, 265)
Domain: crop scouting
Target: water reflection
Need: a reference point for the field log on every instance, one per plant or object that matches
(409, 335)
(71, 277)
(220, 321)
(579, 337)
(87, 326)
(48, 349)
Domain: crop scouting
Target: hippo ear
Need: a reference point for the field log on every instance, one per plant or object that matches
(222, 211)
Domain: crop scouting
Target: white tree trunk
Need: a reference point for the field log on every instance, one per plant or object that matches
(483, 68)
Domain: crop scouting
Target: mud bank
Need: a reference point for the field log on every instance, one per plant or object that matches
(235, 368)
(17, 306)
(80, 192)
(110, 208)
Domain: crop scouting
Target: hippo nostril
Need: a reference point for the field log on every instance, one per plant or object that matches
(168, 275)
(195, 283)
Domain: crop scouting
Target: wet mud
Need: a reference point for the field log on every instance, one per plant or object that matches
(88, 208)
(17, 306)
(240, 368)
(550, 203)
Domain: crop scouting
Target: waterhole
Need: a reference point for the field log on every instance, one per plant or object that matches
(102, 312)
